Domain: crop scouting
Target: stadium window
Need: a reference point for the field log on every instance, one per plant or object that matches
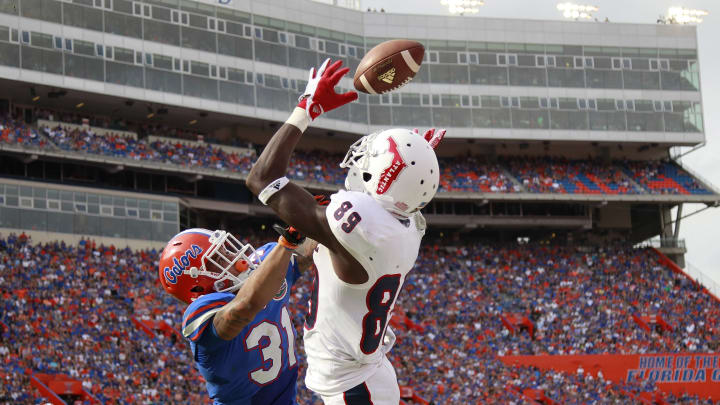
(473, 58)
(617, 63)
(53, 205)
(26, 202)
(148, 58)
(550, 60)
(156, 215)
(213, 71)
(578, 62)
(351, 51)
(81, 207)
(515, 101)
(540, 60)
(2, 200)
(591, 104)
(108, 5)
(431, 57)
(544, 103)
(108, 52)
(247, 31)
(502, 59)
(425, 99)
(98, 3)
(626, 63)
(131, 212)
(186, 66)
(657, 105)
(222, 72)
(137, 9)
(177, 64)
(385, 99)
(505, 101)
(630, 105)
(138, 58)
(285, 83)
(282, 37)
(99, 50)
(293, 84)
(589, 62)
(512, 59)
(58, 42)
(69, 45)
(435, 99)
(211, 23)
(475, 101)
(14, 35)
(554, 103)
(343, 50)
(654, 64)
(664, 64)
(184, 19)
(221, 26)
(260, 79)
(395, 99)
(26, 37)
(620, 105)
(462, 58)
(667, 106)
(258, 33)
(249, 77)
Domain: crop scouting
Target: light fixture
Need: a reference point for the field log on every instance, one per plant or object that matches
(681, 15)
(150, 115)
(463, 6)
(79, 105)
(33, 94)
(576, 11)
(193, 122)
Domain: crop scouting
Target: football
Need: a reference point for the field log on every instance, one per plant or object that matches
(388, 66)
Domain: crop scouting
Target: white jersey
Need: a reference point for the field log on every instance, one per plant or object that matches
(345, 331)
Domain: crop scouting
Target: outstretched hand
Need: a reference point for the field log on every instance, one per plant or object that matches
(320, 96)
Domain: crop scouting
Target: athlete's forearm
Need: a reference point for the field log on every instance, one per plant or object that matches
(275, 158)
(254, 295)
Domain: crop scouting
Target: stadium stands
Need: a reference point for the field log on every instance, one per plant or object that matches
(77, 304)
(460, 174)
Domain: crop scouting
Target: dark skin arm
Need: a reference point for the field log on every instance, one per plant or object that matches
(254, 294)
(296, 206)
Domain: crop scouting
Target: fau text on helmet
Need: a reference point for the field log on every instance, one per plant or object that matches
(389, 175)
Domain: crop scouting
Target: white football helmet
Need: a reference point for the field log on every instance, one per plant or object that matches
(397, 167)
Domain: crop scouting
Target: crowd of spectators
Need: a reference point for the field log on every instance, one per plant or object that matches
(558, 175)
(664, 178)
(459, 174)
(69, 310)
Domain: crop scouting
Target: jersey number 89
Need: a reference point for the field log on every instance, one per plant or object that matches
(352, 220)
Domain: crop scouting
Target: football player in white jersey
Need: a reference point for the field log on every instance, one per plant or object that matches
(369, 239)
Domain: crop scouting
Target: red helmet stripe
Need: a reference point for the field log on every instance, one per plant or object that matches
(389, 175)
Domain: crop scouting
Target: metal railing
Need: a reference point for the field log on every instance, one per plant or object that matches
(701, 277)
(660, 243)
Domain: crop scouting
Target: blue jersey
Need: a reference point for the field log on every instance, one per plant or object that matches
(258, 366)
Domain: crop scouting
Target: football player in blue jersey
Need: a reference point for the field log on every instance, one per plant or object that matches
(237, 321)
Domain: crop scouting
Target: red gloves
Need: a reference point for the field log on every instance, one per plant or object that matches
(320, 95)
(432, 138)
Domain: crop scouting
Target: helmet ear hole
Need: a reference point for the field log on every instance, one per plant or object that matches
(197, 289)
(367, 176)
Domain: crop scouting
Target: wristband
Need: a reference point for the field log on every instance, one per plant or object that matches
(287, 245)
(299, 119)
(272, 188)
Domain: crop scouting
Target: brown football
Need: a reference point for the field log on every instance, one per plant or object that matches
(388, 66)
